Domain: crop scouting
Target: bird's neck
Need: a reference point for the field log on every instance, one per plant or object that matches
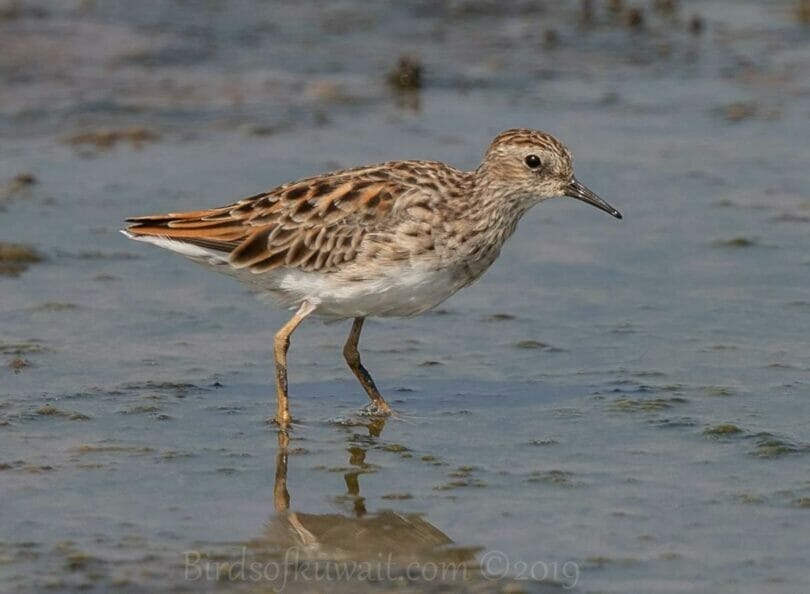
(485, 220)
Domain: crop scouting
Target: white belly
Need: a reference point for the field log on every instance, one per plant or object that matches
(406, 292)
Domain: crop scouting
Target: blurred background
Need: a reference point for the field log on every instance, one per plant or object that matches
(621, 404)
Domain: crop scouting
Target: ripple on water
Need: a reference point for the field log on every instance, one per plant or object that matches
(769, 446)
(15, 258)
(722, 430)
(736, 242)
(645, 405)
(554, 477)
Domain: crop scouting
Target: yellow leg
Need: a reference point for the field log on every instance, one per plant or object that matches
(352, 356)
(281, 496)
(280, 345)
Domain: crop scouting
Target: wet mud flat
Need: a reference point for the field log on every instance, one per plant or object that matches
(338, 493)
(185, 486)
(613, 407)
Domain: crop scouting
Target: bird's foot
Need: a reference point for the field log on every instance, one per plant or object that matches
(281, 421)
(376, 409)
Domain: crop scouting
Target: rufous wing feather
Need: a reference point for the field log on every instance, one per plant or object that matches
(313, 225)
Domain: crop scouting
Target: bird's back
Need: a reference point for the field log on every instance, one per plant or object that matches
(314, 224)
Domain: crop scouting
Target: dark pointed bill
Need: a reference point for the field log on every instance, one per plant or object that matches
(580, 192)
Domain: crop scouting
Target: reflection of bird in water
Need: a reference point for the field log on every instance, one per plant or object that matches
(387, 535)
(361, 551)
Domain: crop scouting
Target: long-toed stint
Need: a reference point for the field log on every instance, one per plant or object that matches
(393, 239)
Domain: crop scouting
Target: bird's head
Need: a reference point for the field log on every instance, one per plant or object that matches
(532, 166)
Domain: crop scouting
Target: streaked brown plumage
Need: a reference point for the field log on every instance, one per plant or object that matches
(395, 238)
(315, 224)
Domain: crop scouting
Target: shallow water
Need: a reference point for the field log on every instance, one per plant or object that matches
(615, 406)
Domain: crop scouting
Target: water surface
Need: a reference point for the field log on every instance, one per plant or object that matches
(626, 399)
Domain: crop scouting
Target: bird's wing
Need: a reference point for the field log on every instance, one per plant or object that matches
(315, 224)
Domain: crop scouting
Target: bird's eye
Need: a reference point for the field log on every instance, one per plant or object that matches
(532, 161)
